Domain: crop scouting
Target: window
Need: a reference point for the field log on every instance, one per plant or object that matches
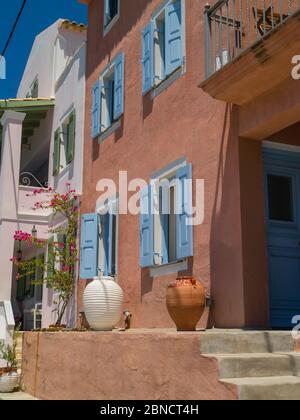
(111, 12)
(108, 97)
(98, 249)
(33, 90)
(31, 285)
(56, 261)
(64, 144)
(165, 231)
(280, 191)
(39, 279)
(162, 45)
(107, 231)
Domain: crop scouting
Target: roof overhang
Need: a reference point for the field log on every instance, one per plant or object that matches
(35, 109)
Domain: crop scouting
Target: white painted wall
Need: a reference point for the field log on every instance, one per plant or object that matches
(70, 95)
(40, 64)
(58, 60)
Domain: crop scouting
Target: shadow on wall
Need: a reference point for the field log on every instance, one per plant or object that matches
(147, 280)
(127, 20)
(80, 56)
(225, 238)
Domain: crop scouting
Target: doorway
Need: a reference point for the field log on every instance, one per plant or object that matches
(282, 192)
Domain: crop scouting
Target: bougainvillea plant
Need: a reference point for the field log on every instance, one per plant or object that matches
(58, 271)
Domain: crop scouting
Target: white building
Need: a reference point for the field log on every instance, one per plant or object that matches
(36, 152)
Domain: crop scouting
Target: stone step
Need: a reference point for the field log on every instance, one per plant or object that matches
(253, 365)
(17, 396)
(284, 388)
(234, 342)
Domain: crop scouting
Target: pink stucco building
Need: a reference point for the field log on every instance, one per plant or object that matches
(208, 93)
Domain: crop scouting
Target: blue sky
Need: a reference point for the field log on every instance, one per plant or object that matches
(37, 15)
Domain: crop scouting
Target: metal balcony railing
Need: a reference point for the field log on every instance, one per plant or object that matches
(27, 179)
(232, 26)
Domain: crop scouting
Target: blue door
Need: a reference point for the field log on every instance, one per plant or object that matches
(282, 186)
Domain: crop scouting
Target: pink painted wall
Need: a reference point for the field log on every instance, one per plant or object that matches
(182, 121)
(230, 249)
(120, 366)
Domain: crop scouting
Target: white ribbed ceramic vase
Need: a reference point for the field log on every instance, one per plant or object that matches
(102, 301)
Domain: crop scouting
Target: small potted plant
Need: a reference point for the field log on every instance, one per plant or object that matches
(9, 376)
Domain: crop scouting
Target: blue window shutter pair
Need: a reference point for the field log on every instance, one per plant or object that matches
(119, 86)
(174, 55)
(89, 246)
(96, 109)
(184, 230)
(173, 49)
(119, 65)
(148, 57)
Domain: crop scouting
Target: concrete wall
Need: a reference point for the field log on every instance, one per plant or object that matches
(120, 366)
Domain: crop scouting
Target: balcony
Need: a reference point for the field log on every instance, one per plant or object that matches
(249, 47)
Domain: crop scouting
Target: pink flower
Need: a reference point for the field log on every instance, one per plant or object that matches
(22, 236)
(59, 245)
(38, 191)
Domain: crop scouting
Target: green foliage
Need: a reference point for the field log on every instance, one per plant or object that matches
(58, 271)
(8, 352)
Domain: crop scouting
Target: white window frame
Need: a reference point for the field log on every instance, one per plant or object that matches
(108, 25)
(111, 205)
(108, 72)
(30, 90)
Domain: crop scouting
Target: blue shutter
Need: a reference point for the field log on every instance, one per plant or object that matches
(174, 48)
(119, 86)
(184, 231)
(147, 228)
(89, 246)
(148, 58)
(96, 109)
